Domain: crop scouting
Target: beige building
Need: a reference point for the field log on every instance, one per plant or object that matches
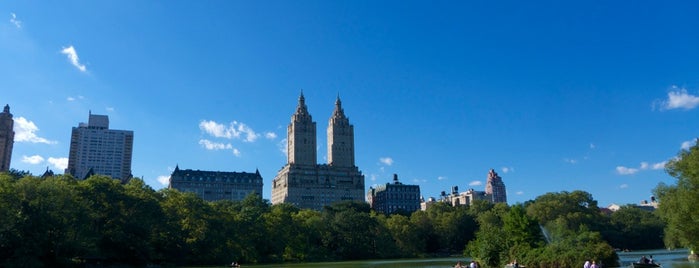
(97, 149)
(7, 138)
(307, 184)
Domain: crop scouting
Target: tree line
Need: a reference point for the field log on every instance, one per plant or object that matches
(61, 221)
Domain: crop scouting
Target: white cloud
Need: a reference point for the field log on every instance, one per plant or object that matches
(570, 161)
(386, 161)
(236, 152)
(475, 183)
(60, 163)
(372, 177)
(621, 170)
(15, 21)
(270, 135)
(441, 178)
(209, 145)
(235, 130)
(679, 99)
(25, 131)
(73, 58)
(109, 109)
(34, 159)
(71, 98)
(644, 165)
(508, 169)
(283, 146)
(519, 193)
(164, 179)
(687, 144)
(592, 145)
(660, 165)
(624, 186)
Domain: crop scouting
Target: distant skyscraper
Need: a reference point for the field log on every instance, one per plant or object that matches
(495, 188)
(216, 185)
(305, 183)
(96, 149)
(7, 138)
(394, 197)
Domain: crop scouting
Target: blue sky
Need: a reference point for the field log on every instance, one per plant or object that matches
(553, 95)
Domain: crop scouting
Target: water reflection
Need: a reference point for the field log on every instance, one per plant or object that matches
(667, 258)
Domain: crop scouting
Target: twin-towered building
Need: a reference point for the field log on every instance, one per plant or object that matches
(97, 149)
(305, 183)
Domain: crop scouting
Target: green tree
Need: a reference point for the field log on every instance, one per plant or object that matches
(677, 203)
(634, 228)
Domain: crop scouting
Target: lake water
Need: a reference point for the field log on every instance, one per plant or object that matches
(667, 258)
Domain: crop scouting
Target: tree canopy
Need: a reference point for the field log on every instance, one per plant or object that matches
(677, 203)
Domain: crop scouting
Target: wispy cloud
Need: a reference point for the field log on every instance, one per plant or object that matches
(235, 130)
(519, 193)
(60, 163)
(25, 131)
(622, 170)
(593, 146)
(15, 21)
(71, 98)
(570, 161)
(33, 160)
(283, 146)
(164, 179)
(623, 186)
(678, 98)
(386, 161)
(214, 146)
(73, 58)
(475, 183)
(270, 135)
(441, 178)
(660, 165)
(109, 109)
(508, 169)
(687, 144)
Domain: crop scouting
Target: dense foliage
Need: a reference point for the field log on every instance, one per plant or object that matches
(678, 202)
(58, 221)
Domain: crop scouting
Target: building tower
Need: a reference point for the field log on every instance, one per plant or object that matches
(305, 183)
(340, 138)
(301, 133)
(495, 188)
(96, 149)
(7, 138)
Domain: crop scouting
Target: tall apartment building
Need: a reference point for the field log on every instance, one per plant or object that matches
(495, 188)
(7, 138)
(96, 149)
(216, 185)
(307, 184)
(394, 197)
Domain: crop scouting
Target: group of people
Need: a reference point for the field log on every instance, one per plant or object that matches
(645, 260)
(591, 264)
(473, 264)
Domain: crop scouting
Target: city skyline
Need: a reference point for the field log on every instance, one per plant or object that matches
(552, 96)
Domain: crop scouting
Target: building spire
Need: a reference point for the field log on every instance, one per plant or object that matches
(6, 109)
(338, 112)
(301, 109)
